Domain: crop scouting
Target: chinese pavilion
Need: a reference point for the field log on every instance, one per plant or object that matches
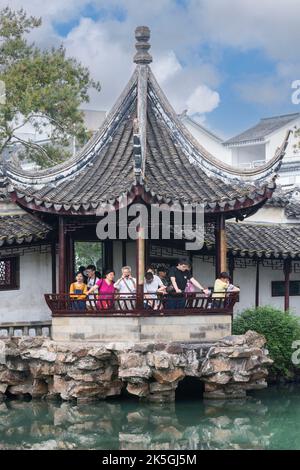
(144, 152)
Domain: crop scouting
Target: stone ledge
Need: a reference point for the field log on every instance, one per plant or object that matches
(162, 328)
(86, 371)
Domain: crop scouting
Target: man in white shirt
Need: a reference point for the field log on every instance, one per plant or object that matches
(91, 282)
(126, 286)
(153, 286)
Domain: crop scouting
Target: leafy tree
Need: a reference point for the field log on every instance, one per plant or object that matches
(280, 329)
(42, 87)
(89, 253)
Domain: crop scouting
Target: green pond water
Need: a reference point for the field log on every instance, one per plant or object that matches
(268, 419)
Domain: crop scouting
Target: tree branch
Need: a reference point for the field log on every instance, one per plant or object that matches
(35, 145)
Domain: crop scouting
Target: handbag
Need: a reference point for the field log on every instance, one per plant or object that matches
(190, 288)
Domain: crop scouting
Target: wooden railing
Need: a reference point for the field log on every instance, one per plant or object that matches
(34, 328)
(132, 305)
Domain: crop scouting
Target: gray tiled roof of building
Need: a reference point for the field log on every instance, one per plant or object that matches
(262, 129)
(22, 228)
(262, 240)
(287, 199)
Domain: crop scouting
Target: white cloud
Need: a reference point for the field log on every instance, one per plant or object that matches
(202, 100)
(106, 45)
(166, 66)
(267, 24)
(265, 91)
(109, 61)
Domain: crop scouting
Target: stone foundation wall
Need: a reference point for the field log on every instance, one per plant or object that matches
(161, 328)
(47, 369)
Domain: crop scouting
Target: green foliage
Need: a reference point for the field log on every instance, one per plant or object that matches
(89, 253)
(42, 87)
(280, 330)
(297, 145)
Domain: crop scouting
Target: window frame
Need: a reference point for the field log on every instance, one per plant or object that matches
(274, 283)
(15, 273)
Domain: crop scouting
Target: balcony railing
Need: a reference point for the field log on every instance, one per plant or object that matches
(133, 305)
(32, 328)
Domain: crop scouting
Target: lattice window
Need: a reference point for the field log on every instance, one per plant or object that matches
(278, 288)
(9, 273)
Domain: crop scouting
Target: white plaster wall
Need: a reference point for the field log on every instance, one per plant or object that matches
(204, 272)
(267, 275)
(207, 141)
(275, 140)
(245, 278)
(28, 303)
(266, 214)
(247, 154)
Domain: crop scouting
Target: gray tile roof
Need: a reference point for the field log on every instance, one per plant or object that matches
(287, 200)
(262, 129)
(262, 240)
(173, 166)
(25, 228)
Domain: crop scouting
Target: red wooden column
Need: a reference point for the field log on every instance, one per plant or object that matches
(140, 266)
(287, 271)
(221, 245)
(70, 259)
(231, 267)
(62, 255)
(257, 283)
(53, 265)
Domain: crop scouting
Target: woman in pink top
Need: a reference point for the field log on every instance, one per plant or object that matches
(105, 290)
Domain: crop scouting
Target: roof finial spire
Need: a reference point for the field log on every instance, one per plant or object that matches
(142, 36)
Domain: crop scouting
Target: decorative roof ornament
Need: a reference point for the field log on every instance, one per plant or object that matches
(137, 149)
(142, 36)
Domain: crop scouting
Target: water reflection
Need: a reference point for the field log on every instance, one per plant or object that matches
(268, 419)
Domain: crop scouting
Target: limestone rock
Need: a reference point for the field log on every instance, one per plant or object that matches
(83, 372)
(162, 387)
(212, 366)
(39, 388)
(174, 348)
(12, 377)
(168, 376)
(87, 363)
(254, 339)
(140, 390)
(100, 352)
(159, 360)
(135, 372)
(21, 389)
(132, 360)
(220, 378)
(3, 388)
(114, 388)
(39, 353)
(29, 342)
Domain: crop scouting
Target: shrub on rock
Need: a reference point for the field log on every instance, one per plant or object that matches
(280, 329)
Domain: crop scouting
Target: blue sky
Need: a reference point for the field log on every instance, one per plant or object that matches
(229, 63)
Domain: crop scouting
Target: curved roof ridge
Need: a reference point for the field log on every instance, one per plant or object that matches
(203, 157)
(84, 156)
